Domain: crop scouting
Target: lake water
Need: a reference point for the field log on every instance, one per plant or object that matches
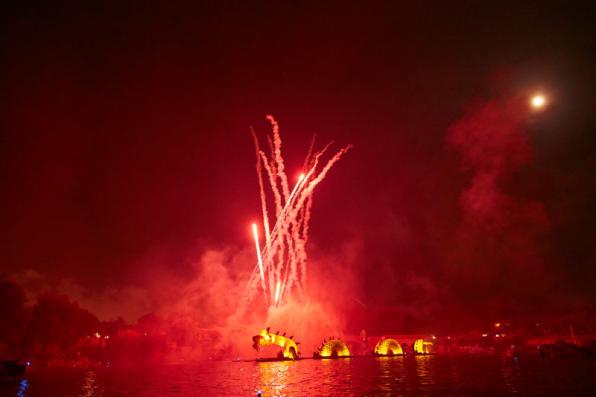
(439, 375)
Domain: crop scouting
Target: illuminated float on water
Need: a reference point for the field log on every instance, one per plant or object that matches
(423, 347)
(332, 348)
(288, 345)
(388, 347)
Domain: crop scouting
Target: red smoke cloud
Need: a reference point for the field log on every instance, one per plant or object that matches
(499, 236)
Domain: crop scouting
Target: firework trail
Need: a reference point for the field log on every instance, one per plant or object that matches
(281, 263)
(261, 186)
(259, 257)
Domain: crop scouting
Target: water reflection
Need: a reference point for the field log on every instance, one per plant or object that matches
(410, 375)
(335, 376)
(23, 386)
(391, 373)
(451, 372)
(511, 372)
(443, 375)
(90, 388)
(423, 368)
(274, 377)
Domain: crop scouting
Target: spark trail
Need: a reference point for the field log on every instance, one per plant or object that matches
(259, 258)
(281, 263)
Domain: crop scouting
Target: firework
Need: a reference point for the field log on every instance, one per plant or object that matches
(259, 257)
(277, 291)
(281, 264)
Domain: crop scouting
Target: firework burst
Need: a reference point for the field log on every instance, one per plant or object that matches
(281, 264)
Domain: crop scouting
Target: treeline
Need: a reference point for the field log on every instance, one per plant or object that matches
(56, 331)
(51, 328)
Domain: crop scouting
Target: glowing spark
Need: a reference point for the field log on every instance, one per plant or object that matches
(277, 290)
(259, 258)
(538, 101)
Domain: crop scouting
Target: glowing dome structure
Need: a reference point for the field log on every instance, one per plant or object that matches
(332, 348)
(265, 338)
(423, 347)
(388, 347)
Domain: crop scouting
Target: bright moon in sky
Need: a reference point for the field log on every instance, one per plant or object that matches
(538, 101)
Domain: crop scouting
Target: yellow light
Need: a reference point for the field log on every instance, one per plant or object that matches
(538, 101)
(422, 347)
(388, 347)
(265, 338)
(334, 348)
(497, 325)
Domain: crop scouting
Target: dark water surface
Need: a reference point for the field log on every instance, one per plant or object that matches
(440, 375)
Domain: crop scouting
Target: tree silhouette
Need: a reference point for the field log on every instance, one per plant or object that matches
(14, 316)
(56, 326)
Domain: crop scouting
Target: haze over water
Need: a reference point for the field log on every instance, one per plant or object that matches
(439, 375)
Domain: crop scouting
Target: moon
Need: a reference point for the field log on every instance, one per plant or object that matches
(538, 101)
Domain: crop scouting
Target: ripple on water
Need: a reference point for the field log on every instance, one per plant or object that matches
(413, 375)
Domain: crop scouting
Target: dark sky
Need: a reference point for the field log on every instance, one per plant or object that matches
(125, 147)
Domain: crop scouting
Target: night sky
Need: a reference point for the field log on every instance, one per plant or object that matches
(126, 152)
